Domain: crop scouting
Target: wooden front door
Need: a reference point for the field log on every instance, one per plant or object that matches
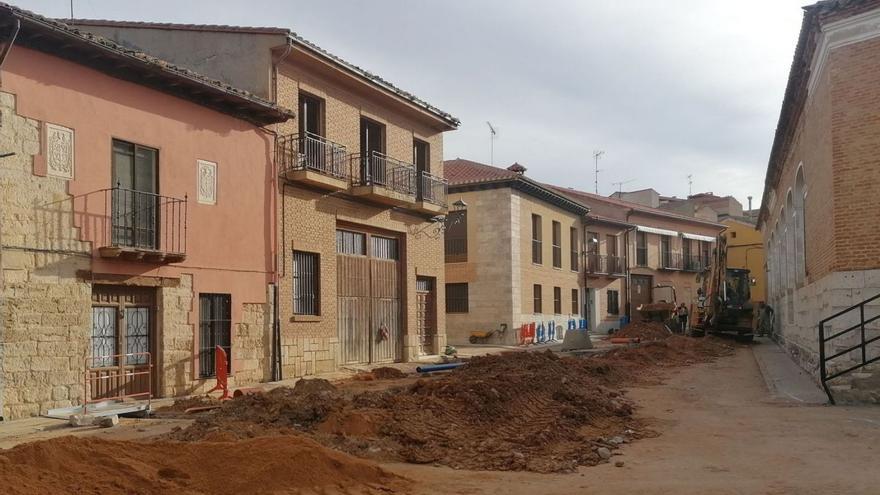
(123, 332)
(426, 320)
(369, 297)
(641, 290)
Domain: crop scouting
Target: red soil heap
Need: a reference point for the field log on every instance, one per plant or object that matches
(279, 464)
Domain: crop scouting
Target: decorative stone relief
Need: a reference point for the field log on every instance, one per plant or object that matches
(207, 181)
(59, 151)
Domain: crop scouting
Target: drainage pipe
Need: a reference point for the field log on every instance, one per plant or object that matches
(438, 367)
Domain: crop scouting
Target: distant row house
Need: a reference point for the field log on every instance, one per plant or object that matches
(171, 189)
(604, 258)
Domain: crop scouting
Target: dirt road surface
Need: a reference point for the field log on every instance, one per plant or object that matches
(721, 433)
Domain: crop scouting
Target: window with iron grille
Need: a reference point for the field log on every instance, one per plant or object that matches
(557, 300)
(348, 242)
(665, 251)
(456, 298)
(557, 244)
(536, 298)
(575, 302)
(641, 248)
(455, 241)
(537, 255)
(384, 248)
(215, 325)
(573, 239)
(306, 277)
(613, 302)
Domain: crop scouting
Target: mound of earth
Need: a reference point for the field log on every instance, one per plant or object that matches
(645, 330)
(280, 464)
(387, 373)
(533, 411)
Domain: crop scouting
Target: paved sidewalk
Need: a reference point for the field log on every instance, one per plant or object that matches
(785, 380)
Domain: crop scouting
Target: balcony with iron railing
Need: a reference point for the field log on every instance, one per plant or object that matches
(671, 261)
(694, 263)
(143, 226)
(432, 193)
(383, 179)
(605, 265)
(313, 160)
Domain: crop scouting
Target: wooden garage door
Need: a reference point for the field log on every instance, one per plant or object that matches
(369, 297)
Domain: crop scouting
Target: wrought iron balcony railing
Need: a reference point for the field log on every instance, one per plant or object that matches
(671, 261)
(605, 264)
(433, 189)
(694, 263)
(312, 152)
(378, 169)
(146, 221)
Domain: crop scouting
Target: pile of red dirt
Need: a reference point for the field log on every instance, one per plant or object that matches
(533, 411)
(515, 411)
(280, 464)
(645, 330)
(387, 373)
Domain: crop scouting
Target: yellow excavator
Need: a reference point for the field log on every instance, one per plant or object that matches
(724, 298)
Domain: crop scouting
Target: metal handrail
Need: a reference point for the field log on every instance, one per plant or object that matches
(604, 264)
(379, 169)
(309, 151)
(123, 370)
(671, 261)
(433, 189)
(863, 344)
(146, 220)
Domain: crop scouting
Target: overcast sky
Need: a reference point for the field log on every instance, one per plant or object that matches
(666, 88)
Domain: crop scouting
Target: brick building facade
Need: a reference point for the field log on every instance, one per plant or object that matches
(818, 215)
(360, 193)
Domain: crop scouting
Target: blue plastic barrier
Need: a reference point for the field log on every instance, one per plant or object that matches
(540, 333)
(582, 323)
(551, 331)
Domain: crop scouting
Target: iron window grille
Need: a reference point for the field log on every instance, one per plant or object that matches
(215, 325)
(306, 277)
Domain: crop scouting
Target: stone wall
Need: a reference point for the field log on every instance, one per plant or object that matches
(833, 293)
(44, 307)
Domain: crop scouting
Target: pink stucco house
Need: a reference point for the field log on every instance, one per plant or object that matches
(136, 213)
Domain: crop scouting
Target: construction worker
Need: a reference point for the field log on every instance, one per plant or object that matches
(764, 320)
(682, 313)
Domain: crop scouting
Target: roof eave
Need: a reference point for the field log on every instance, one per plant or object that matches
(446, 121)
(47, 37)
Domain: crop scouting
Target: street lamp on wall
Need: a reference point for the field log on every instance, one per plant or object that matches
(439, 224)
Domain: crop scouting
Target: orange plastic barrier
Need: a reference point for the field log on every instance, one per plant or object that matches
(221, 371)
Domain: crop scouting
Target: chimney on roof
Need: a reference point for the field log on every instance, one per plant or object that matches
(750, 202)
(517, 168)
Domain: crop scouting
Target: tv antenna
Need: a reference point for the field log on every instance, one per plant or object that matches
(493, 133)
(620, 184)
(690, 184)
(596, 155)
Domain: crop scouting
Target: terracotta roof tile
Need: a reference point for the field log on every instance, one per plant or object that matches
(460, 171)
(586, 198)
(295, 38)
(269, 111)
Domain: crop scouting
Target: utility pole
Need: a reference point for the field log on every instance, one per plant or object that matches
(690, 184)
(596, 155)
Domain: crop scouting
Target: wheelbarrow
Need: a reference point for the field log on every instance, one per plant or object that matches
(481, 337)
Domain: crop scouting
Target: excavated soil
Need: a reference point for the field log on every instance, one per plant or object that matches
(276, 464)
(532, 411)
(645, 330)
